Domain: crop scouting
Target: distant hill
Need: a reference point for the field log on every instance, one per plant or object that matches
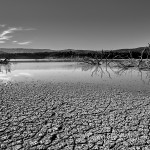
(23, 50)
(22, 53)
(78, 51)
(139, 49)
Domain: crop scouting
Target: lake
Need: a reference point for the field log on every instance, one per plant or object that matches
(130, 79)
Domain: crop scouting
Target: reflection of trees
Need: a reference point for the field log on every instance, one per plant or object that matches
(96, 69)
(116, 69)
(5, 68)
(142, 72)
(148, 76)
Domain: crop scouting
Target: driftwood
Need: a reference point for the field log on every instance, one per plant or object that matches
(123, 63)
(5, 61)
(140, 63)
(92, 61)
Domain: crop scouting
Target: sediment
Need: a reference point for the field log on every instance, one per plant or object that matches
(72, 116)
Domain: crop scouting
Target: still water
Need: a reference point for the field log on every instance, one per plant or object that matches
(131, 79)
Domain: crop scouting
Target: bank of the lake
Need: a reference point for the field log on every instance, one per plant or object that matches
(47, 60)
(47, 115)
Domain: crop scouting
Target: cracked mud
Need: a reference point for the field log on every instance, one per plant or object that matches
(57, 116)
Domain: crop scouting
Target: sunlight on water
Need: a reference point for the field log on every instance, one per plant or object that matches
(131, 79)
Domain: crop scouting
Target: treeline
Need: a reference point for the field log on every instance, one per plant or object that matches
(76, 54)
(44, 55)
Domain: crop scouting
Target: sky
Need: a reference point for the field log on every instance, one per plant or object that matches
(74, 24)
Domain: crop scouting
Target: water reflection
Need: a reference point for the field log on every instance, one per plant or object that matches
(110, 74)
(96, 70)
(8, 73)
(5, 68)
(111, 70)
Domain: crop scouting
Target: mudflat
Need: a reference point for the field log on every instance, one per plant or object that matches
(72, 116)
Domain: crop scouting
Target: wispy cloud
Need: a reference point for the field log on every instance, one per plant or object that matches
(2, 25)
(1, 42)
(4, 35)
(28, 29)
(10, 30)
(24, 43)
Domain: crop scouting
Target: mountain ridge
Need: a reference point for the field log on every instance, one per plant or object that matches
(30, 50)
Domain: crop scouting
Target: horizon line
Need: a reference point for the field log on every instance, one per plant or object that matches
(73, 48)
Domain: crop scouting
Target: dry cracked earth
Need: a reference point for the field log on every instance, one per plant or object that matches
(67, 116)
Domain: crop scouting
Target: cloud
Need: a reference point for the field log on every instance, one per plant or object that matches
(5, 37)
(28, 29)
(24, 43)
(13, 29)
(10, 30)
(1, 42)
(2, 25)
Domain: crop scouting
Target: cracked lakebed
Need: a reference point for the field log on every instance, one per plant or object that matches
(72, 116)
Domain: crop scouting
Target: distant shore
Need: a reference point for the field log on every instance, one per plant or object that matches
(46, 115)
(45, 60)
(59, 60)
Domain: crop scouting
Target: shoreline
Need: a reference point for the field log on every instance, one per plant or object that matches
(45, 60)
(42, 115)
(61, 60)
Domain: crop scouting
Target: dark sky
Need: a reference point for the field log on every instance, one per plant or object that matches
(77, 24)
